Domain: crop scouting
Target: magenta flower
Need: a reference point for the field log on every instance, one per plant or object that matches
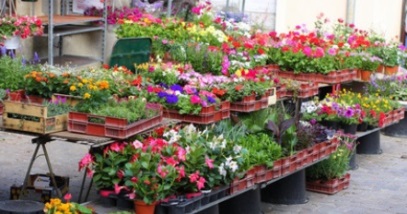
(194, 177)
(195, 99)
(85, 161)
(307, 51)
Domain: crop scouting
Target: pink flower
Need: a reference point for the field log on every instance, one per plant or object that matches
(67, 197)
(171, 161)
(162, 171)
(307, 51)
(200, 183)
(89, 172)
(332, 51)
(118, 188)
(209, 162)
(181, 153)
(181, 172)
(194, 177)
(85, 161)
(137, 144)
(195, 99)
(115, 147)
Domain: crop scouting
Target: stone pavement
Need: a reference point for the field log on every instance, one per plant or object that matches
(379, 185)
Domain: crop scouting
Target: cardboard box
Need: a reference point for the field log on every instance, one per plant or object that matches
(40, 188)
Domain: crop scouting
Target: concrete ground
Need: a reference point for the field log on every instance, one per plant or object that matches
(379, 185)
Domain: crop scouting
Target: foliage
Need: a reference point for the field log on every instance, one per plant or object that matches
(132, 110)
(261, 150)
(12, 72)
(57, 107)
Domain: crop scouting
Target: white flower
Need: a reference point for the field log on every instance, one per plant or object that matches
(212, 145)
(190, 129)
(233, 166)
(223, 145)
(237, 149)
(222, 170)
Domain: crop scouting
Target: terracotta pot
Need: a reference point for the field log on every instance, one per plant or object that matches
(391, 70)
(358, 74)
(365, 75)
(380, 69)
(142, 208)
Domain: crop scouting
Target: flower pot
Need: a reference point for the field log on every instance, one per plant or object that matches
(349, 128)
(391, 70)
(362, 127)
(12, 43)
(369, 144)
(380, 69)
(365, 75)
(289, 190)
(142, 208)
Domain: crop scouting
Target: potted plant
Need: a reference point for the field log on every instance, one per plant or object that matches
(15, 27)
(329, 176)
(150, 175)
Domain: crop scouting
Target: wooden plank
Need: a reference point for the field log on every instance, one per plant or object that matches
(25, 109)
(69, 19)
(43, 126)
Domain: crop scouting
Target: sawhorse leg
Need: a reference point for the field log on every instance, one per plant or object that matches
(40, 141)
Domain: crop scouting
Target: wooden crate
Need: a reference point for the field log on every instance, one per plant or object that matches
(32, 118)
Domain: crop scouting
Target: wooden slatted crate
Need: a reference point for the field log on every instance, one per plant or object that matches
(32, 118)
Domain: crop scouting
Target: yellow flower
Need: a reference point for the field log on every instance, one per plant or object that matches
(72, 88)
(84, 81)
(80, 85)
(86, 96)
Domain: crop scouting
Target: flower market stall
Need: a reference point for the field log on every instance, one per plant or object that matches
(217, 116)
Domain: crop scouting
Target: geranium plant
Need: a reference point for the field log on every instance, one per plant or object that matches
(21, 26)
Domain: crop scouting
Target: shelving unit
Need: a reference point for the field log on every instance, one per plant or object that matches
(60, 25)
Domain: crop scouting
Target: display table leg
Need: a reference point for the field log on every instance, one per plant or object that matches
(248, 202)
(289, 190)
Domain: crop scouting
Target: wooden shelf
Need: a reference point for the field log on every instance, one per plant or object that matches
(69, 19)
(64, 30)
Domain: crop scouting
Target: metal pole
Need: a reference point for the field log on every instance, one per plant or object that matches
(169, 8)
(27, 175)
(54, 182)
(50, 32)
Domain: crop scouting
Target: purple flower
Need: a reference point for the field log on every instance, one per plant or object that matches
(171, 99)
(349, 113)
(313, 121)
(211, 99)
(162, 94)
(177, 88)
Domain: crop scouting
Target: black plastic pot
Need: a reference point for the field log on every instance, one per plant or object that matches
(398, 129)
(248, 202)
(289, 190)
(362, 127)
(349, 128)
(330, 124)
(369, 144)
(21, 206)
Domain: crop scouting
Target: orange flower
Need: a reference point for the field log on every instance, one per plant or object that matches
(103, 84)
(238, 87)
(38, 79)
